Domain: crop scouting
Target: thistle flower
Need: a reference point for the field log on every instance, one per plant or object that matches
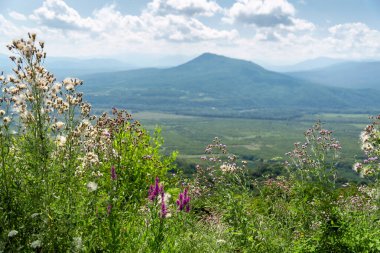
(6, 120)
(228, 168)
(61, 140)
(58, 125)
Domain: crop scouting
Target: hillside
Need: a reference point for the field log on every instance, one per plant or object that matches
(216, 85)
(355, 75)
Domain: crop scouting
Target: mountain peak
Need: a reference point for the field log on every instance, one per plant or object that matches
(211, 61)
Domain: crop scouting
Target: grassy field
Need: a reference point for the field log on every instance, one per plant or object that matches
(252, 139)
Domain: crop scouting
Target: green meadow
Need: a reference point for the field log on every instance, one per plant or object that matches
(254, 140)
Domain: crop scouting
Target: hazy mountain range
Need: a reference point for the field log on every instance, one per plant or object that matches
(311, 64)
(220, 86)
(216, 85)
(64, 66)
(355, 75)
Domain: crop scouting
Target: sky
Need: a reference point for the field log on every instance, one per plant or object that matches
(168, 32)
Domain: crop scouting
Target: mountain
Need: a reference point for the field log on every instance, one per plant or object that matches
(216, 85)
(64, 66)
(317, 63)
(354, 75)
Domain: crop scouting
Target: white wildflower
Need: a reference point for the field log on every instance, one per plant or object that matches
(167, 197)
(35, 244)
(6, 120)
(78, 243)
(61, 140)
(367, 146)
(2, 113)
(228, 168)
(12, 233)
(34, 215)
(58, 125)
(92, 186)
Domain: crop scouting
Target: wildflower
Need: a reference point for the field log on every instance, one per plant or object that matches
(226, 168)
(155, 190)
(35, 244)
(6, 120)
(58, 125)
(78, 243)
(12, 233)
(357, 167)
(92, 186)
(34, 215)
(113, 173)
(364, 137)
(367, 146)
(2, 113)
(164, 210)
(183, 201)
(109, 209)
(61, 140)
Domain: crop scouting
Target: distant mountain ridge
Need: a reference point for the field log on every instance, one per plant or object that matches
(311, 64)
(354, 75)
(69, 67)
(217, 85)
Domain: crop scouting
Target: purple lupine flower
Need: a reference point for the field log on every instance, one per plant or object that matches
(109, 208)
(164, 210)
(113, 173)
(155, 190)
(183, 201)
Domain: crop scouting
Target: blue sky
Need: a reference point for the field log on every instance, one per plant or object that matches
(166, 32)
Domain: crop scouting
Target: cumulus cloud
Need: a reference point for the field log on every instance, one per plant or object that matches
(7, 28)
(17, 16)
(173, 27)
(149, 25)
(56, 13)
(266, 14)
(180, 28)
(262, 13)
(354, 39)
(184, 7)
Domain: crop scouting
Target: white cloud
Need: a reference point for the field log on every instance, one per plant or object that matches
(56, 13)
(180, 28)
(107, 32)
(184, 7)
(279, 14)
(355, 40)
(17, 16)
(7, 28)
(268, 13)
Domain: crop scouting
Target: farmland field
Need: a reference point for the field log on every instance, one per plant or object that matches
(253, 139)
